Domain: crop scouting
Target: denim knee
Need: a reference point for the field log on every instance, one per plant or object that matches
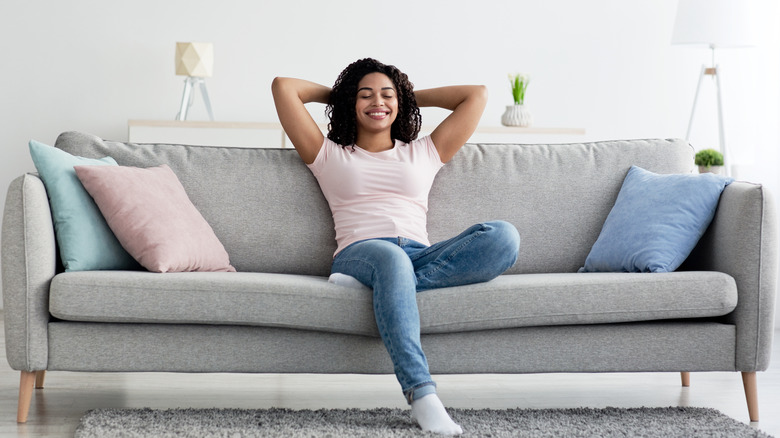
(506, 238)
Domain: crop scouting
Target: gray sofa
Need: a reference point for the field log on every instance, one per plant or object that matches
(278, 313)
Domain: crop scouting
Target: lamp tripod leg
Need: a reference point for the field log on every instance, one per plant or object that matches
(695, 100)
(186, 100)
(721, 134)
(206, 99)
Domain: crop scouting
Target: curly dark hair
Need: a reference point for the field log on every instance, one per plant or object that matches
(342, 128)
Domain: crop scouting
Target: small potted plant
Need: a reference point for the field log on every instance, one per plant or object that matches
(517, 114)
(709, 161)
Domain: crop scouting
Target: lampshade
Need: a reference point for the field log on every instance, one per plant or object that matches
(716, 23)
(195, 59)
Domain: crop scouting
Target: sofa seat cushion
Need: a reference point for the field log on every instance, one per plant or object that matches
(311, 303)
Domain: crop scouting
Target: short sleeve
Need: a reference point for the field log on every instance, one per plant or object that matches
(319, 160)
(433, 153)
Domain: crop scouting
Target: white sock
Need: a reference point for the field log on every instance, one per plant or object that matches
(432, 417)
(346, 281)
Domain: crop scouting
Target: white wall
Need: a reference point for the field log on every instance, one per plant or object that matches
(603, 65)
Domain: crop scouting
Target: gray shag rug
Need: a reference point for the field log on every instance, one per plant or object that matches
(385, 422)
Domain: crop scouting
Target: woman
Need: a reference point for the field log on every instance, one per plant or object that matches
(376, 176)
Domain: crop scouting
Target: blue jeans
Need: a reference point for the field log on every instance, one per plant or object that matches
(397, 268)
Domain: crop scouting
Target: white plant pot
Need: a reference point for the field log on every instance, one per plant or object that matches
(711, 169)
(516, 115)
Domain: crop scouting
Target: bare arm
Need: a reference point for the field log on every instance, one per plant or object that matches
(290, 96)
(467, 102)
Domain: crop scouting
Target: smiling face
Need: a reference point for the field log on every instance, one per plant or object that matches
(376, 105)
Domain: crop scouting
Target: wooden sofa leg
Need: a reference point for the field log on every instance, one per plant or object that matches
(26, 386)
(686, 378)
(40, 376)
(751, 394)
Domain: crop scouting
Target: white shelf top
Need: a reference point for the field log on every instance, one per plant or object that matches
(277, 125)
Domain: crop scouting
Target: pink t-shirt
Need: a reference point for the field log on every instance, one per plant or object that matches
(378, 194)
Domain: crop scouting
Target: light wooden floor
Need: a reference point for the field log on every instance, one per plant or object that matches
(55, 410)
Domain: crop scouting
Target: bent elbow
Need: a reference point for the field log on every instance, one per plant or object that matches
(280, 85)
(277, 84)
(481, 92)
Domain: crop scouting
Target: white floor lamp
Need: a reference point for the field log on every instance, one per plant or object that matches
(196, 61)
(716, 24)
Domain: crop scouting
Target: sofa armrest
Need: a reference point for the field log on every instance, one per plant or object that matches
(742, 241)
(29, 262)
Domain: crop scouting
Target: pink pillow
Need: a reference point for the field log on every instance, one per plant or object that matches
(154, 219)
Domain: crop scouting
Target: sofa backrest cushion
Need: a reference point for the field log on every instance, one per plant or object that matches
(264, 205)
(267, 209)
(558, 196)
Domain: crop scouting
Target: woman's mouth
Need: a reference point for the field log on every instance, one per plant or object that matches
(378, 115)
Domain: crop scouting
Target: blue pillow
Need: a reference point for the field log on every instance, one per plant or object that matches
(85, 241)
(656, 222)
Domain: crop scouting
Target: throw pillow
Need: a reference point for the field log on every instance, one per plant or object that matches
(154, 219)
(656, 222)
(85, 240)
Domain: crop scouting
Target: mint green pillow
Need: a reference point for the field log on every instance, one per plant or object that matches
(85, 241)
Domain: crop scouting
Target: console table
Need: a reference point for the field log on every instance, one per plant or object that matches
(257, 134)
